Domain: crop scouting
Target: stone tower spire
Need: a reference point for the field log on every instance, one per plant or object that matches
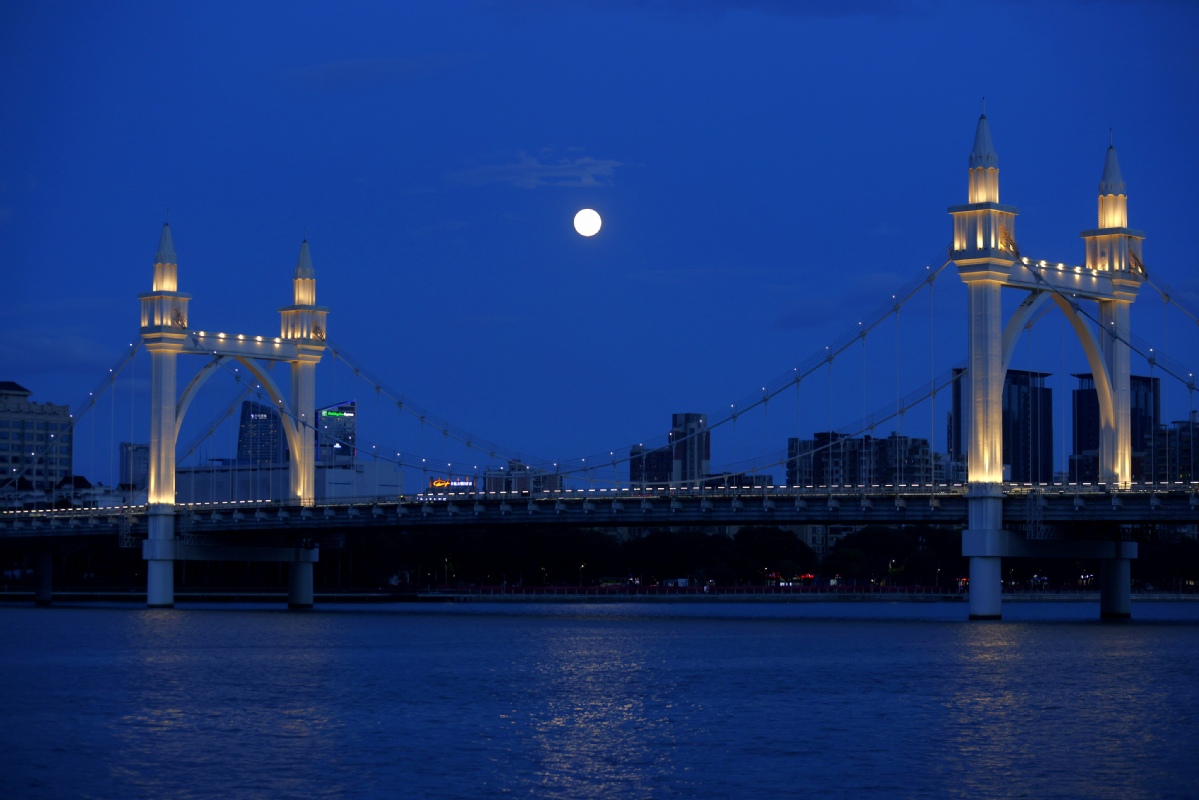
(304, 319)
(1113, 246)
(164, 306)
(984, 166)
(304, 282)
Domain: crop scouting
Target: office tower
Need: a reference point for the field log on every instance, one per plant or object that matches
(260, 438)
(135, 466)
(1027, 426)
(691, 449)
(650, 467)
(337, 433)
(1145, 416)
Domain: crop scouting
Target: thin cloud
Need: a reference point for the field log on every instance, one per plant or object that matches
(814, 310)
(529, 173)
(370, 72)
(36, 353)
(777, 8)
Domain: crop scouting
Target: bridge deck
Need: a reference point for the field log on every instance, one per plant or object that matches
(1177, 504)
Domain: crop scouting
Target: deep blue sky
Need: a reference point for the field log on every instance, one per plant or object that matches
(767, 173)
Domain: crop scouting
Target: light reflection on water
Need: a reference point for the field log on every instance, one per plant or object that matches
(597, 700)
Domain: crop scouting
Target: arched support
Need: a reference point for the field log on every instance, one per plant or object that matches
(193, 387)
(1023, 317)
(291, 425)
(1109, 470)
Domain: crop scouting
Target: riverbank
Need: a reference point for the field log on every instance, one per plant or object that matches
(569, 595)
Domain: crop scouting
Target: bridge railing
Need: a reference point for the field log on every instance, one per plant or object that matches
(873, 491)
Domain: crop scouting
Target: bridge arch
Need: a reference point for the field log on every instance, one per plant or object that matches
(1023, 317)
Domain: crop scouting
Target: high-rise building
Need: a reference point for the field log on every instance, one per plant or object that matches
(1172, 452)
(1144, 416)
(1027, 426)
(260, 437)
(337, 433)
(650, 467)
(135, 466)
(691, 447)
(35, 440)
(685, 461)
(833, 459)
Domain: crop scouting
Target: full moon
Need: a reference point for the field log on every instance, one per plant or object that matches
(587, 222)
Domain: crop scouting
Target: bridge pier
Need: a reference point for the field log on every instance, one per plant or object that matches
(984, 542)
(299, 585)
(986, 587)
(1115, 588)
(158, 551)
(43, 592)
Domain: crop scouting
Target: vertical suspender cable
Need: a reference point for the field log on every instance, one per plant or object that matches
(932, 393)
(898, 461)
(1071, 470)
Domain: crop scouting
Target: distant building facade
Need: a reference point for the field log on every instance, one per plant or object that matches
(833, 459)
(691, 445)
(1027, 427)
(518, 477)
(260, 437)
(225, 480)
(35, 440)
(135, 466)
(650, 468)
(1145, 415)
(1172, 457)
(337, 432)
(685, 460)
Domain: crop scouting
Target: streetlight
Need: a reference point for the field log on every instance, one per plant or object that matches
(581, 574)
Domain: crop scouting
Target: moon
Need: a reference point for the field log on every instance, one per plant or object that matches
(588, 222)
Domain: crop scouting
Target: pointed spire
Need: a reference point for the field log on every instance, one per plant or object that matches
(1112, 181)
(166, 247)
(983, 154)
(304, 265)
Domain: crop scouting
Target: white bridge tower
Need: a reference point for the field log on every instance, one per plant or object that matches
(988, 260)
(167, 333)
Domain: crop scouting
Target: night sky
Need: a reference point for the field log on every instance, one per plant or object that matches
(767, 172)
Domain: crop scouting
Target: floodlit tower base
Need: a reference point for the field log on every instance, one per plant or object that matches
(985, 542)
(1115, 588)
(985, 588)
(158, 550)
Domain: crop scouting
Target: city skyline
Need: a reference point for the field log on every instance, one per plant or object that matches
(763, 177)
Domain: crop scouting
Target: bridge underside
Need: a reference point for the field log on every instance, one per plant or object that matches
(1077, 525)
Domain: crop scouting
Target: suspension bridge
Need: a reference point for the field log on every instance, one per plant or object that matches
(289, 519)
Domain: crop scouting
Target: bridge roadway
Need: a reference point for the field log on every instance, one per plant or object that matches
(623, 508)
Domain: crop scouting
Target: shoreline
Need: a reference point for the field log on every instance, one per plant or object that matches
(367, 597)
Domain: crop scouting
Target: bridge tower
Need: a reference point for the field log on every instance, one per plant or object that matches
(303, 323)
(988, 259)
(166, 333)
(984, 250)
(1115, 248)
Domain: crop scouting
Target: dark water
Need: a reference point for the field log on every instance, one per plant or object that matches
(654, 700)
